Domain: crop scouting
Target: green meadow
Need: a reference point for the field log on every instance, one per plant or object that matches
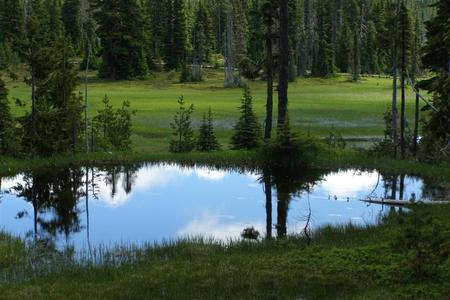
(317, 106)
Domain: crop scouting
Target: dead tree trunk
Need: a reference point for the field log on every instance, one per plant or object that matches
(283, 64)
(229, 59)
(394, 82)
(269, 69)
(84, 13)
(403, 100)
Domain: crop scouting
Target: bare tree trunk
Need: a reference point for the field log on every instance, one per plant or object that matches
(269, 67)
(84, 7)
(268, 192)
(86, 122)
(416, 111)
(283, 80)
(229, 59)
(394, 84)
(403, 100)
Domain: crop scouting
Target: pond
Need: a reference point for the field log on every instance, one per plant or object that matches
(156, 202)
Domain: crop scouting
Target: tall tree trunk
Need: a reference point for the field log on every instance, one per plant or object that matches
(229, 63)
(394, 82)
(269, 69)
(283, 64)
(268, 192)
(84, 14)
(416, 110)
(403, 100)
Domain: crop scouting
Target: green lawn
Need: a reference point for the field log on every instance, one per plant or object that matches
(316, 105)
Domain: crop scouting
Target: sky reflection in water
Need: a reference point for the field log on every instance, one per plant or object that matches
(157, 202)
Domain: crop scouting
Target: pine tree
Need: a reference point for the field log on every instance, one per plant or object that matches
(11, 24)
(8, 138)
(121, 30)
(256, 33)
(247, 131)
(168, 36)
(54, 12)
(183, 140)
(344, 49)
(355, 21)
(207, 140)
(64, 102)
(323, 62)
(36, 53)
(175, 44)
(437, 59)
(70, 16)
(157, 20)
(201, 41)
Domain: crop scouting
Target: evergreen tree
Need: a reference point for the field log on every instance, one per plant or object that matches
(355, 21)
(121, 30)
(247, 131)
(63, 102)
(183, 140)
(175, 43)
(201, 35)
(168, 36)
(256, 33)
(344, 49)
(112, 128)
(55, 127)
(201, 41)
(54, 12)
(70, 16)
(323, 62)
(11, 24)
(37, 54)
(437, 59)
(157, 21)
(207, 140)
(8, 137)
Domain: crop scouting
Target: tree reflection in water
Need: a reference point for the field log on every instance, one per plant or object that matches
(60, 199)
(55, 198)
(288, 184)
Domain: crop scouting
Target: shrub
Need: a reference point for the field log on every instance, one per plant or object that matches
(421, 241)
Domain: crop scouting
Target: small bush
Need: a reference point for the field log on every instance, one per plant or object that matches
(422, 243)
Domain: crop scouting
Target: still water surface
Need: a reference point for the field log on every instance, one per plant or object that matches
(152, 203)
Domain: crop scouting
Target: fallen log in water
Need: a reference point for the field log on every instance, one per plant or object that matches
(402, 202)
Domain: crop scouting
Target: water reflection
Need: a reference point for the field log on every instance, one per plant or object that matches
(91, 206)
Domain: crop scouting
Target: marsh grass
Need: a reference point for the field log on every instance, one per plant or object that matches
(315, 105)
(341, 262)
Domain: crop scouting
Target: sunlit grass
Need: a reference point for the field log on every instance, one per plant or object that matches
(316, 105)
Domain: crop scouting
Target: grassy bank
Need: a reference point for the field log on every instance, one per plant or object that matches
(325, 160)
(339, 262)
(315, 105)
